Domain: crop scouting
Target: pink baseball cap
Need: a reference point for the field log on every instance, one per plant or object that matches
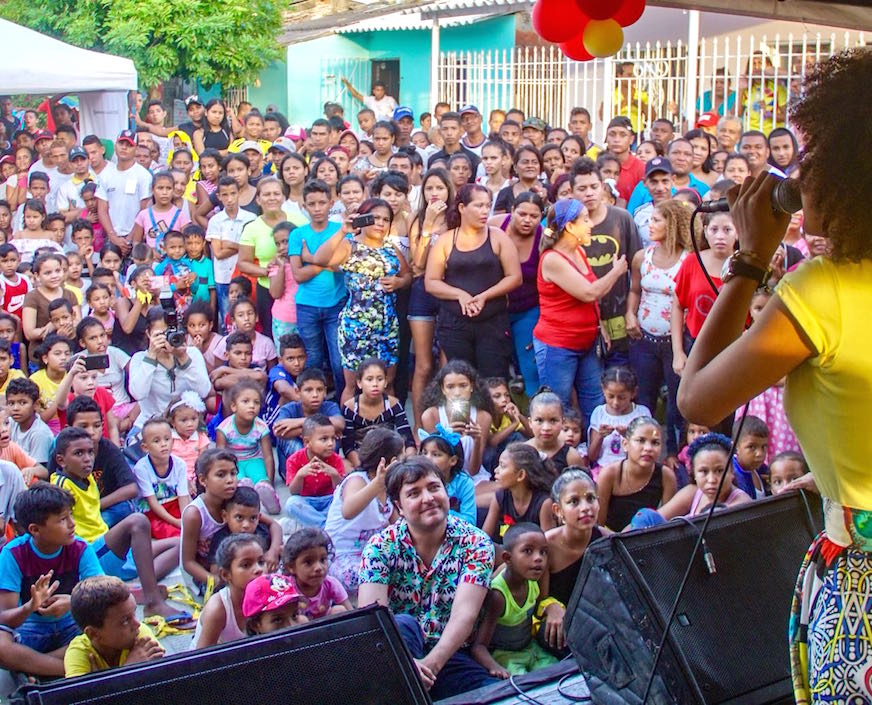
(267, 593)
(296, 132)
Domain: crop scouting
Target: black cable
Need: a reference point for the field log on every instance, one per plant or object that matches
(526, 698)
(709, 514)
(570, 696)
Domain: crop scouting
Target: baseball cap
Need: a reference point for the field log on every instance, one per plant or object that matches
(78, 152)
(193, 100)
(296, 132)
(469, 109)
(403, 112)
(7, 159)
(621, 121)
(535, 123)
(267, 593)
(708, 120)
(127, 136)
(284, 144)
(252, 145)
(42, 135)
(658, 164)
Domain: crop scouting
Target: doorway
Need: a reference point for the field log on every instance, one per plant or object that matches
(388, 72)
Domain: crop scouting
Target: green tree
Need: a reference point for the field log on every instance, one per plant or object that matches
(215, 41)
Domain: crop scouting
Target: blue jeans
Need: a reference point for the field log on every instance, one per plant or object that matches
(46, 637)
(563, 369)
(651, 360)
(522, 324)
(460, 673)
(316, 326)
(222, 295)
(112, 515)
(309, 511)
(286, 447)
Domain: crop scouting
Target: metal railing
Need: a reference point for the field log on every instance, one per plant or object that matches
(754, 78)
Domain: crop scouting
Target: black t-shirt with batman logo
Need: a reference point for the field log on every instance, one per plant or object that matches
(616, 235)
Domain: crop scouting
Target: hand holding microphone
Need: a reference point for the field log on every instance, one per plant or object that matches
(761, 210)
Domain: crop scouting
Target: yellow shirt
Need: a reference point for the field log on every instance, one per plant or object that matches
(86, 511)
(47, 386)
(77, 292)
(505, 422)
(77, 661)
(13, 374)
(827, 397)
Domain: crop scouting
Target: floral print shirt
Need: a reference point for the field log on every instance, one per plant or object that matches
(427, 593)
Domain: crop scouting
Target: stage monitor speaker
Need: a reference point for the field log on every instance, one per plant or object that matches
(728, 642)
(357, 657)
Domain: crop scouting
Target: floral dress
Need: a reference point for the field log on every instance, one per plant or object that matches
(368, 325)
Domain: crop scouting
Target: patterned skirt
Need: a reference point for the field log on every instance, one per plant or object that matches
(831, 616)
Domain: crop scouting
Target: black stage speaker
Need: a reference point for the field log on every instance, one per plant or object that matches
(728, 642)
(353, 658)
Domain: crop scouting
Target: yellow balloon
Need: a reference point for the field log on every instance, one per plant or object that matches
(603, 38)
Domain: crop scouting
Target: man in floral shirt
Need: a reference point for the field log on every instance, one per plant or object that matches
(433, 571)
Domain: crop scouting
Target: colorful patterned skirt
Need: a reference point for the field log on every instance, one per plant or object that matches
(831, 616)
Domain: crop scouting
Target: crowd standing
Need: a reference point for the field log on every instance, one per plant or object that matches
(458, 345)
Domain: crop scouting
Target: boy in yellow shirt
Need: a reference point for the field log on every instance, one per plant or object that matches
(105, 611)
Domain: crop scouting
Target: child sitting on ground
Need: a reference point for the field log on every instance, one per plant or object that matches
(28, 430)
(282, 383)
(10, 452)
(185, 414)
(238, 365)
(112, 636)
(313, 473)
(508, 425)
(749, 462)
(38, 571)
(162, 479)
(129, 538)
(242, 515)
(271, 603)
(507, 625)
(306, 559)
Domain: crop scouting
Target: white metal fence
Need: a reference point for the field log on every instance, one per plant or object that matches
(753, 77)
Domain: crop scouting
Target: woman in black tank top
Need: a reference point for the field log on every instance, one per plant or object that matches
(638, 481)
(216, 132)
(471, 269)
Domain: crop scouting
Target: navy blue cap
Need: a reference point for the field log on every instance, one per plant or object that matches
(403, 111)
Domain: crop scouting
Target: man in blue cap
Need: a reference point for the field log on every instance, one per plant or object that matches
(405, 121)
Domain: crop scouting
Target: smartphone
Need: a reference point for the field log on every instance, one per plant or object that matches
(363, 221)
(96, 362)
(458, 411)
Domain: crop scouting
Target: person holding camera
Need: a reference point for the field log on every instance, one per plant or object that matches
(169, 366)
(374, 270)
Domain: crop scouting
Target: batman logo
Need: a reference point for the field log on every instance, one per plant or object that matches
(602, 251)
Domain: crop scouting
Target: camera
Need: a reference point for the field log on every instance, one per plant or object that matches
(176, 337)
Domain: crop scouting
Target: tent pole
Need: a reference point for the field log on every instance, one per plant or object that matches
(434, 63)
(692, 67)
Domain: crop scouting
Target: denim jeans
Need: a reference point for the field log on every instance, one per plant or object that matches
(46, 637)
(522, 324)
(222, 296)
(286, 447)
(309, 511)
(563, 369)
(651, 360)
(460, 673)
(319, 329)
(112, 515)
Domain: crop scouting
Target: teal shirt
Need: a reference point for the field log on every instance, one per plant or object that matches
(325, 289)
(205, 280)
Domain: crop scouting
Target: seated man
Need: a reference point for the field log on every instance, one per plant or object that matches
(433, 571)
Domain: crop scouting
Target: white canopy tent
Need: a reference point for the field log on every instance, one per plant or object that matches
(38, 64)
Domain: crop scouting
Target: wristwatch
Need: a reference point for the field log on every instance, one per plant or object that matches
(747, 265)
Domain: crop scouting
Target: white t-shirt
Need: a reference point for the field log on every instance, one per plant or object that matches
(56, 181)
(124, 191)
(113, 377)
(69, 195)
(222, 227)
(175, 482)
(612, 452)
(383, 107)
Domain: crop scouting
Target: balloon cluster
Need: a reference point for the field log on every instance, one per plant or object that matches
(585, 29)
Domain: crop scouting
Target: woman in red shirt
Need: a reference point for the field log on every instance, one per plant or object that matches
(564, 339)
(694, 297)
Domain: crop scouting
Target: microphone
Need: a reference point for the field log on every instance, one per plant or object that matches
(785, 198)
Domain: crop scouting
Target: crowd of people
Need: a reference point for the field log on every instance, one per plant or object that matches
(459, 346)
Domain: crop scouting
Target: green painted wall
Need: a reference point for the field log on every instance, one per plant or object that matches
(273, 87)
(305, 87)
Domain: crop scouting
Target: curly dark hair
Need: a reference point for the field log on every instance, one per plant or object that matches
(835, 119)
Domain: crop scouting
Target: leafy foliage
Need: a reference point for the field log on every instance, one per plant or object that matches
(215, 41)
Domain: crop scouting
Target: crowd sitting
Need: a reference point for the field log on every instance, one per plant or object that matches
(457, 350)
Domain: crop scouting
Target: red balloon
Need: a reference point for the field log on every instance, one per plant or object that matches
(558, 20)
(574, 49)
(629, 12)
(599, 9)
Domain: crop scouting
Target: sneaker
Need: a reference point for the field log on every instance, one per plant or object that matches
(269, 498)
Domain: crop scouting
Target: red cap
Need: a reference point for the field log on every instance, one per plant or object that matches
(707, 120)
(268, 592)
(42, 135)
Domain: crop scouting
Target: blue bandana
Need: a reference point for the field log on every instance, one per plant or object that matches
(453, 439)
